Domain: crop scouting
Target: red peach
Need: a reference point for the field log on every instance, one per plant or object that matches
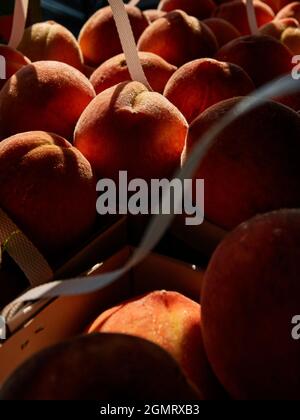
(14, 61)
(171, 321)
(262, 57)
(99, 39)
(223, 30)
(178, 38)
(278, 26)
(253, 166)
(291, 10)
(200, 9)
(201, 83)
(235, 12)
(48, 189)
(129, 128)
(46, 95)
(250, 297)
(51, 41)
(115, 71)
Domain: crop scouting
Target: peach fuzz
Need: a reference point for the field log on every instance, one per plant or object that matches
(46, 95)
(173, 322)
(200, 9)
(278, 26)
(291, 10)
(201, 83)
(104, 367)
(51, 41)
(223, 30)
(99, 39)
(235, 12)
(153, 14)
(48, 189)
(262, 57)
(178, 38)
(250, 296)
(128, 128)
(115, 71)
(252, 167)
(14, 61)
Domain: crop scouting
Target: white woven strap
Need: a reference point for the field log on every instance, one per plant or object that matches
(252, 18)
(19, 22)
(23, 252)
(135, 68)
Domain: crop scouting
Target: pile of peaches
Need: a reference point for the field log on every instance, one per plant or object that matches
(69, 115)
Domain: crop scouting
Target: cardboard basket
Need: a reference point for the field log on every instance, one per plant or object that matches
(66, 317)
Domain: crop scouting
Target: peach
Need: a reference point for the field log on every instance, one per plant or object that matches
(46, 95)
(201, 83)
(235, 12)
(48, 189)
(291, 38)
(115, 71)
(262, 57)
(250, 296)
(14, 61)
(291, 10)
(178, 38)
(128, 128)
(51, 41)
(171, 321)
(253, 166)
(99, 39)
(278, 26)
(153, 14)
(200, 9)
(102, 367)
(223, 30)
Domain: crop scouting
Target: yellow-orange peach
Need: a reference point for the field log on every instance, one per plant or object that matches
(235, 12)
(128, 128)
(99, 39)
(200, 9)
(278, 26)
(115, 71)
(46, 95)
(223, 30)
(51, 41)
(171, 321)
(48, 189)
(253, 166)
(201, 83)
(178, 38)
(250, 297)
(14, 61)
(291, 38)
(262, 57)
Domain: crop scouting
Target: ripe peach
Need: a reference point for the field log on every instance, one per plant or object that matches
(51, 41)
(262, 57)
(278, 26)
(252, 167)
(250, 296)
(115, 71)
(171, 321)
(129, 128)
(200, 9)
(46, 95)
(291, 38)
(201, 83)
(291, 10)
(14, 61)
(235, 12)
(178, 38)
(99, 39)
(47, 188)
(223, 30)
(153, 14)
